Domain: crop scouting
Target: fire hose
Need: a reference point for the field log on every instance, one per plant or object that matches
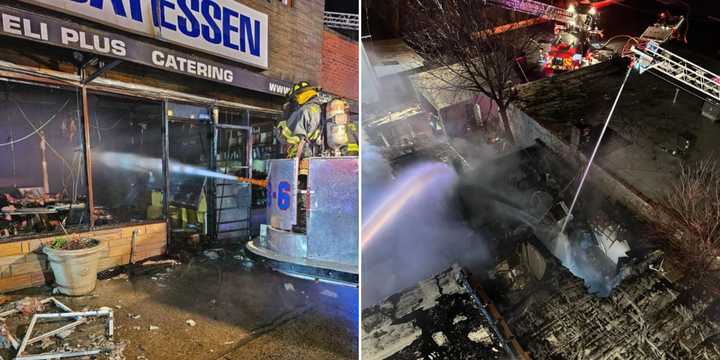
(256, 182)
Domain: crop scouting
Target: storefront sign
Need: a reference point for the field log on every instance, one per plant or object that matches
(224, 28)
(49, 30)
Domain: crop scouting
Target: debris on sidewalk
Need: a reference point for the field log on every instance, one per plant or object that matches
(121, 276)
(153, 328)
(29, 306)
(190, 323)
(212, 254)
(169, 262)
(5, 342)
(44, 340)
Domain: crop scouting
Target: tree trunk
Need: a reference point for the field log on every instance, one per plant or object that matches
(506, 124)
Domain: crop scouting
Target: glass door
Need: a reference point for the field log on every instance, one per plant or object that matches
(233, 198)
(190, 179)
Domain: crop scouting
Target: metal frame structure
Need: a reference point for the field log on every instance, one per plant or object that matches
(651, 56)
(338, 20)
(80, 318)
(535, 8)
(217, 211)
(661, 33)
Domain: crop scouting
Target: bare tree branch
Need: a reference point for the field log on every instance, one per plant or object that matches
(692, 224)
(474, 43)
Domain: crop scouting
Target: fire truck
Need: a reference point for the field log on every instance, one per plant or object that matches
(574, 40)
(576, 31)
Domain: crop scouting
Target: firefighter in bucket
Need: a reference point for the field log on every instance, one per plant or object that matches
(301, 127)
(311, 128)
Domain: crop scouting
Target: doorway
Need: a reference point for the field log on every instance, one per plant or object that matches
(233, 199)
(190, 163)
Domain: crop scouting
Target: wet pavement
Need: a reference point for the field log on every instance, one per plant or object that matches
(238, 313)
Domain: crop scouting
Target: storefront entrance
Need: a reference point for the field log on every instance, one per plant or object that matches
(189, 165)
(233, 198)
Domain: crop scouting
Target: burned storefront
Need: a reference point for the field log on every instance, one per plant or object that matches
(133, 125)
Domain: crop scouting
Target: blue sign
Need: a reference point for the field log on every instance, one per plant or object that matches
(220, 27)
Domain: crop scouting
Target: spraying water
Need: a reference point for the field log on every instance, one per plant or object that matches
(409, 186)
(411, 229)
(138, 163)
(594, 152)
(599, 282)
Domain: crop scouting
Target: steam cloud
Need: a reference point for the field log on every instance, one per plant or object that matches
(424, 237)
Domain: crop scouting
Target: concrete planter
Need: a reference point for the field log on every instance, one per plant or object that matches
(75, 271)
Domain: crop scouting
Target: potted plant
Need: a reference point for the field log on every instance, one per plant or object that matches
(74, 263)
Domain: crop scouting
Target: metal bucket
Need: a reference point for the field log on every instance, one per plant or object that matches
(75, 271)
(326, 247)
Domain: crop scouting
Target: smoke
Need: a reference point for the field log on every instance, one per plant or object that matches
(514, 192)
(137, 163)
(411, 227)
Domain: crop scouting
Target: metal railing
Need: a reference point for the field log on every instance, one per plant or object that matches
(338, 20)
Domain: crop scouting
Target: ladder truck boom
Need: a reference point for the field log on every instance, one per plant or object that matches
(535, 8)
(650, 56)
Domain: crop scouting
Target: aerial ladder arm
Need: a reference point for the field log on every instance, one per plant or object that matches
(650, 56)
(534, 8)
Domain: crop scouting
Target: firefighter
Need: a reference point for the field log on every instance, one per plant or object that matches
(340, 132)
(301, 128)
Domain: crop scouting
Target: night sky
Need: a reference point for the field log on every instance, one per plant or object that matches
(345, 6)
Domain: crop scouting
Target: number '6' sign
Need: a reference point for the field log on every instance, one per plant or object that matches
(282, 195)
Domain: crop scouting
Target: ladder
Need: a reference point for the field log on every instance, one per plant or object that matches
(535, 8)
(650, 56)
(338, 20)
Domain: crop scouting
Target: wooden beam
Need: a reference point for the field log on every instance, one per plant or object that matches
(87, 153)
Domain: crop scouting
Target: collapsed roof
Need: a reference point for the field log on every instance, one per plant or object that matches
(440, 318)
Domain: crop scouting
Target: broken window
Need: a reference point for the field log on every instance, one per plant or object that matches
(126, 144)
(42, 177)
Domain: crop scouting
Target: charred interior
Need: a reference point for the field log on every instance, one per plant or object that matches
(44, 182)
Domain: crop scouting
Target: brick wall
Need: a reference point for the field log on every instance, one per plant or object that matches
(340, 72)
(295, 39)
(22, 263)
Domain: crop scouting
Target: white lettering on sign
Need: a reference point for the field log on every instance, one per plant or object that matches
(192, 67)
(92, 42)
(11, 24)
(24, 27)
(278, 89)
(219, 27)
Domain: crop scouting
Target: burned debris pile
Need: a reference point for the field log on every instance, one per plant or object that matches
(644, 317)
(440, 318)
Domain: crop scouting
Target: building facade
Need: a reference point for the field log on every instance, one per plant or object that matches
(125, 122)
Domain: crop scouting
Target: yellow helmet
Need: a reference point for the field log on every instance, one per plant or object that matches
(301, 93)
(296, 88)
